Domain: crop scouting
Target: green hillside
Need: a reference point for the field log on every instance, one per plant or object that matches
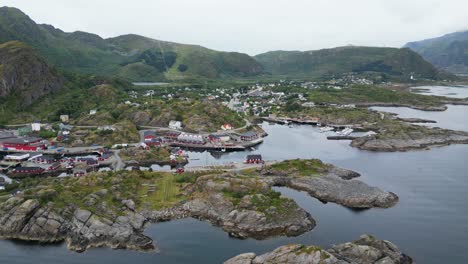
(25, 76)
(449, 52)
(391, 63)
(133, 57)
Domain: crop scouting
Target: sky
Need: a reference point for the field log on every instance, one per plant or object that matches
(256, 26)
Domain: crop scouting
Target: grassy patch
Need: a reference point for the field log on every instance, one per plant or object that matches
(311, 167)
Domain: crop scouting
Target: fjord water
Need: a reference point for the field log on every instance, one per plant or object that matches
(430, 223)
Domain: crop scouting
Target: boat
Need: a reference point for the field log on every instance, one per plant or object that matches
(345, 132)
(326, 129)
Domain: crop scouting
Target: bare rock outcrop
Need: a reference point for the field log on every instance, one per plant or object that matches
(364, 250)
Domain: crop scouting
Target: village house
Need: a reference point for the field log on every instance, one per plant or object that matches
(54, 166)
(24, 144)
(191, 138)
(149, 135)
(254, 159)
(248, 136)
(175, 125)
(144, 146)
(79, 172)
(36, 126)
(44, 159)
(64, 118)
(171, 136)
(28, 170)
(16, 157)
(105, 156)
(179, 169)
(154, 142)
(88, 161)
(227, 127)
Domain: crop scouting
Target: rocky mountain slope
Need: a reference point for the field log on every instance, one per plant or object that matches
(448, 52)
(388, 62)
(24, 75)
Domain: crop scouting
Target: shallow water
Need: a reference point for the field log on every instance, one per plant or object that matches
(455, 117)
(447, 91)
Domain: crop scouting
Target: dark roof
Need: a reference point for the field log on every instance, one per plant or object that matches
(254, 157)
(13, 141)
(46, 157)
(249, 134)
(179, 166)
(27, 168)
(5, 134)
(149, 133)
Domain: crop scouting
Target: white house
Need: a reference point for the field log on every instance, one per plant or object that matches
(92, 112)
(175, 124)
(36, 126)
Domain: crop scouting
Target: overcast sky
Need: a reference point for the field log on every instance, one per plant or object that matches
(255, 26)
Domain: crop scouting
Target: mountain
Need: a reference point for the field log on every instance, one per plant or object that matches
(133, 57)
(448, 52)
(138, 58)
(390, 62)
(24, 75)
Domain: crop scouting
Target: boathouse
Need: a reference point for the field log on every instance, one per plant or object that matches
(249, 136)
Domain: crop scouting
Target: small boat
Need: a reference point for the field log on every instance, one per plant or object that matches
(326, 129)
(345, 132)
(223, 150)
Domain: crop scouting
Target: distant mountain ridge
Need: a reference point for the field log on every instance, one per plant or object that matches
(448, 52)
(138, 58)
(391, 62)
(130, 56)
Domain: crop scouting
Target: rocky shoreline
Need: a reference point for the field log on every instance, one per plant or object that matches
(243, 204)
(436, 108)
(437, 137)
(366, 249)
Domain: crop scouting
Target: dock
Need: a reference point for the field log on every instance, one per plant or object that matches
(341, 137)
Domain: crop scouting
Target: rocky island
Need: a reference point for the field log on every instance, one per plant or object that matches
(112, 209)
(366, 249)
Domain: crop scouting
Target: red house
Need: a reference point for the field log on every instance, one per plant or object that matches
(105, 156)
(180, 169)
(44, 159)
(24, 144)
(53, 167)
(79, 172)
(154, 142)
(249, 136)
(254, 159)
(28, 170)
(148, 135)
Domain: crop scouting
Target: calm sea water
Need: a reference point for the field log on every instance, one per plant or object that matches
(430, 222)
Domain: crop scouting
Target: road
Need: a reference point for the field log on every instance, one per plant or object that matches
(119, 164)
